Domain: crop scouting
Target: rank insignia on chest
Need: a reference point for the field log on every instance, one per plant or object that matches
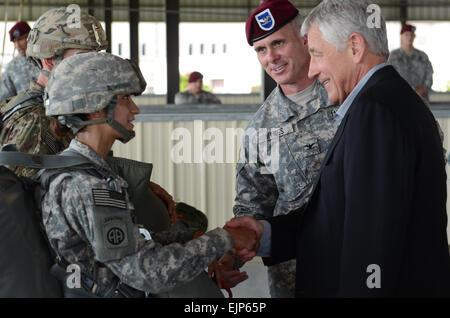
(105, 197)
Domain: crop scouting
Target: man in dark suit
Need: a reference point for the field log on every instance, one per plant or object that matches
(376, 222)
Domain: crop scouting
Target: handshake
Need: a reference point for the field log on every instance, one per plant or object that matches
(245, 233)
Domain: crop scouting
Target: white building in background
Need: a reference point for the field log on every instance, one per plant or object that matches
(219, 51)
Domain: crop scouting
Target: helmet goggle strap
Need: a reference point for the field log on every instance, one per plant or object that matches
(75, 123)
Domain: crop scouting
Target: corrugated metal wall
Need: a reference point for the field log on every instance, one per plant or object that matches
(208, 186)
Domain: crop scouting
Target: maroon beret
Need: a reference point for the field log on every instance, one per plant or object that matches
(194, 77)
(270, 16)
(19, 29)
(408, 27)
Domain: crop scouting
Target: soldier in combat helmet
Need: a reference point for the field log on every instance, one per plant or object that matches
(87, 213)
(50, 41)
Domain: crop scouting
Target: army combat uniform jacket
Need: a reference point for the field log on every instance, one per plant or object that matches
(26, 126)
(17, 77)
(270, 184)
(414, 67)
(88, 218)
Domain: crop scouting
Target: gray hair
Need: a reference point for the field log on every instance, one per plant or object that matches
(296, 23)
(337, 19)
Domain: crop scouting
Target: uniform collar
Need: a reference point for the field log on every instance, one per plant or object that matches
(89, 153)
(288, 109)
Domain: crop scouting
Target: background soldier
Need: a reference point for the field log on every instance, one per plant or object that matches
(19, 72)
(195, 93)
(50, 41)
(24, 120)
(412, 64)
(298, 118)
(87, 212)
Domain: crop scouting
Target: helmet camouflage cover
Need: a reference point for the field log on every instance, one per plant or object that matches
(89, 82)
(60, 29)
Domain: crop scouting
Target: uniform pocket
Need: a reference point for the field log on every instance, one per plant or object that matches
(303, 162)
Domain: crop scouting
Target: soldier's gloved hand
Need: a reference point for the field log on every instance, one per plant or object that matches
(166, 198)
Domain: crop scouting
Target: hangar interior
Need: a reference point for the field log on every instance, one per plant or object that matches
(209, 134)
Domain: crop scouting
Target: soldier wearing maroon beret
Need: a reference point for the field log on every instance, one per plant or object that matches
(296, 117)
(195, 93)
(18, 73)
(412, 64)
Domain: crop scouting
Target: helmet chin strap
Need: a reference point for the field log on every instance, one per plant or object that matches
(45, 73)
(36, 61)
(127, 134)
(75, 123)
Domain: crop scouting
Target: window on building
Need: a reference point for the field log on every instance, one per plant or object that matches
(143, 49)
(224, 48)
(120, 49)
(201, 48)
(190, 49)
(213, 49)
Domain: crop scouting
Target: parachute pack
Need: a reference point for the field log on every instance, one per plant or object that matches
(25, 254)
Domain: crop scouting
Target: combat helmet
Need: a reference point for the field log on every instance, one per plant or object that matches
(64, 28)
(88, 82)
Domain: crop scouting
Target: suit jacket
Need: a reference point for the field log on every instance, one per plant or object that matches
(376, 223)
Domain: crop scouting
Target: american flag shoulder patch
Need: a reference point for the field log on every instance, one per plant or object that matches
(110, 198)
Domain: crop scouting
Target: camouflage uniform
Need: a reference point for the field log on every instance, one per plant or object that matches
(203, 98)
(17, 77)
(87, 212)
(303, 134)
(29, 129)
(86, 229)
(414, 67)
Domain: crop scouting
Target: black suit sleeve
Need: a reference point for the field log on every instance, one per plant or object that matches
(379, 165)
(284, 236)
